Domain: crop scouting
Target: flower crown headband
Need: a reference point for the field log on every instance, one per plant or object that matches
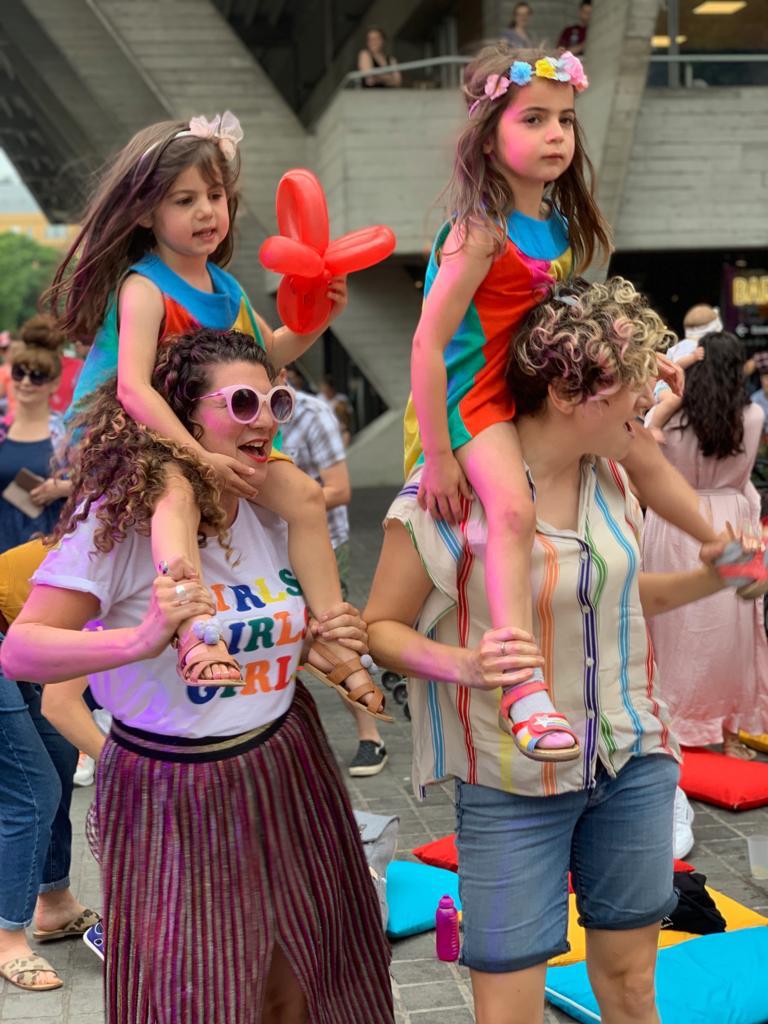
(567, 68)
(223, 129)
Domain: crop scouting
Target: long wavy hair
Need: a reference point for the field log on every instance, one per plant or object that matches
(118, 467)
(111, 237)
(715, 396)
(479, 196)
(588, 340)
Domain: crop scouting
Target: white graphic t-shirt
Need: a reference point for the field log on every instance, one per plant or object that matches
(258, 601)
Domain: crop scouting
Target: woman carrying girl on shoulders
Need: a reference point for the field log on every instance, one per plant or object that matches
(524, 217)
(147, 265)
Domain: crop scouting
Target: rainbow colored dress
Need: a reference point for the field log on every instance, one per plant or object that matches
(536, 254)
(186, 309)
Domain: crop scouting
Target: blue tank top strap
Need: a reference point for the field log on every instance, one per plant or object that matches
(218, 309)
(539, 239)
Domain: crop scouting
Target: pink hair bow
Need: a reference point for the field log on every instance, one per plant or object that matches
(223, 128)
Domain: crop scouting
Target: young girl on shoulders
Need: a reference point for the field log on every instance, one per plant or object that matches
(147, 266)
(523, 216)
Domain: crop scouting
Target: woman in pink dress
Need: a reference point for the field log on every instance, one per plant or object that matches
(712, 656)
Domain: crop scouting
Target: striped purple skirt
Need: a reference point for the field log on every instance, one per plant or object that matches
(208, 864)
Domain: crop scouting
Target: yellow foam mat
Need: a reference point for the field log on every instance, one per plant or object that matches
(756, 742)
(736, 916)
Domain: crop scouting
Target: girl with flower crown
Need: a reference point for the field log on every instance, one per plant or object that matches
(523, 217)
(145, 267)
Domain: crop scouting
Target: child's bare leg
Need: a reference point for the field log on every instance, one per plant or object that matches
(493, 464)
(175, 523)
(296, 498)
(661, 487)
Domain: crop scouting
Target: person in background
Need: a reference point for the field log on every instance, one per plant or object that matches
(28, 442)
(67, 706)
(70, 370)
(374, 55)
(296, 378)
(329, 394)
(5, 371)
(699, 320)
(313, 439)
(760, 397)
(574, 37)
(759, 364)
(36, 766)
(717, 683)
(343, 414)
(517, 33)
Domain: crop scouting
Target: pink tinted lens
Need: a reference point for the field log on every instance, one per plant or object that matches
(281, 404)
(245, 404)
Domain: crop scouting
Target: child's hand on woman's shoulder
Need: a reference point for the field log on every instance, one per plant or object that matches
(233, 475)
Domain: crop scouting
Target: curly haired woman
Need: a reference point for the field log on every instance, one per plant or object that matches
(247, 898)
(580, 370)
(722, 686)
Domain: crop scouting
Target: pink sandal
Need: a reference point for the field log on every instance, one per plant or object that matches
(529, 732)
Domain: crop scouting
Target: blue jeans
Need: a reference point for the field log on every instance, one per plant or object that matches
(515, 853)
(36, 769)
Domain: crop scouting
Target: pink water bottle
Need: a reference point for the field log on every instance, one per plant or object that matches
(447, 929)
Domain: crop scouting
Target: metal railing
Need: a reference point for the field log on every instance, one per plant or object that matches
(680, 67)
(448, 66)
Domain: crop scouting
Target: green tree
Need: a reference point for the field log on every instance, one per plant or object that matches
(26, 270)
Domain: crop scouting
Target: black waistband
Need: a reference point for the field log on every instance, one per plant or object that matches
(188, 750)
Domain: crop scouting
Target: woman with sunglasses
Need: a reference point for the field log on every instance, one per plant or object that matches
(248, 897)
(27, 442)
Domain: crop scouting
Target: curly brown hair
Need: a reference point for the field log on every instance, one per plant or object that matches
(118, 467)
(478, 195)
(589, 339)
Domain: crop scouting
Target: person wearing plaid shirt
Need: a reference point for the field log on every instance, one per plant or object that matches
(312, 437)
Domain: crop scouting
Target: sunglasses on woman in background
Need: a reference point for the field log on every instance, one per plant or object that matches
(36, 377)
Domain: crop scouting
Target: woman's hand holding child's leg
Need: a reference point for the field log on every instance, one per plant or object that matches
(295, 497)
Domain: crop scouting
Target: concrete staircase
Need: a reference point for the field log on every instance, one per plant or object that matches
(195, 63)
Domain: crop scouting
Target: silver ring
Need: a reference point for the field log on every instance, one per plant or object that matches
(181, 593)
(503, 644)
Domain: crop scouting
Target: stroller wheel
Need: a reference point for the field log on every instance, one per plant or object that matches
(400, 693)
(389, 680)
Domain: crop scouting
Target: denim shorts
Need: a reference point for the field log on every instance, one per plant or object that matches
(515, 853)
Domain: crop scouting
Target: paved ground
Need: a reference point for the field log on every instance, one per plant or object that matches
(426, 990)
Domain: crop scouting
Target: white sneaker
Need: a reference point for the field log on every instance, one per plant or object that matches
(103, 719)
(85, 770)
(682, 841)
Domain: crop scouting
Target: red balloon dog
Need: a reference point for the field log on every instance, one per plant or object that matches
(303, 253)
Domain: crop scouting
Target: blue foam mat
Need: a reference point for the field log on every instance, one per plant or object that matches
(715, 979)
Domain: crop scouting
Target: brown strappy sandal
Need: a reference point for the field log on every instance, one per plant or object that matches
(341, 671)
(198, 650)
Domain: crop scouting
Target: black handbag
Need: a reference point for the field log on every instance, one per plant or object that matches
(696, 911)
